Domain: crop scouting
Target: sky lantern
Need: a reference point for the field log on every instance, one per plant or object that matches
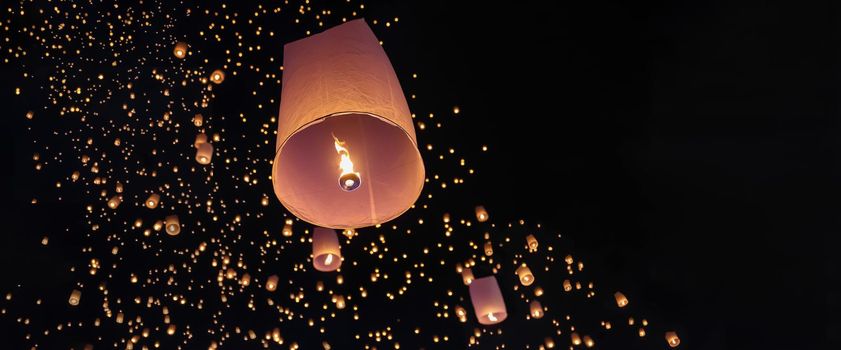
(481, 214)
(180, 49)
(271, 283)
(198, 119)
(75, 297)
(173, 226)
(575, 338)
(487, 301)
(672, 339)
(347, 155)
(153, 200)
(536, 309)
(115, 201)
(489, 248)
(217, 77)
(204, 153)
(326, 251)
(531, 241)
(467, 276)
(621, 300)
(200, 139)
(567, 286)
(525, 275)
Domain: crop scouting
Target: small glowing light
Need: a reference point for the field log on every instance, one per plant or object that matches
(349, 180)
(329, 259)
(492, 317)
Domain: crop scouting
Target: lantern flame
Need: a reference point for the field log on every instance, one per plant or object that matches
(492, 317)
(349, 180)
(329, 259)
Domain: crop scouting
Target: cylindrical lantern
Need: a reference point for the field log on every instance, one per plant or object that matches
(467, 276)
(204, 153)
(487, 301)
(588, 342)
(180, 49)
(173, 226)
(524, 273)
(481, 214)
(217, 77)
(245, 280)
(75, 297)
(152, 201)
(326, 252)
(621, 300)
(531, 241)
(575, 338)
(536, 309)
(346, 155)
(198, 119)
(489, 248)
(271, 283)
(567, 286)
(287, 230)
(672, 339)
(200, 139)
(115, 201)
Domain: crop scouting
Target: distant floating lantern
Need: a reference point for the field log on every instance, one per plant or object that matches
(525, 275)
(567, 286)
(245, 280)
(575, 338)
(568, 259)
(173, 226)
(489, 248)
(340, 302)
(152, 201)
(672, 339)
(75, 297)
(536, 309)
(198, 119)
(326, 252)
(621, 300)
(487, 301)
(287, 230)
(204, 153)
(180, 49)
(467, 276)
(481, 214)
(549, 342)
(588, 342)
(200, 139)
(357, 105)
(271, 283)
(115, 201)
(531, 241)
(217, 77)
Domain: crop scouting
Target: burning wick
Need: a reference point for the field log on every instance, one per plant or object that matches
(329, 259)
(348, 180)
(492, 317)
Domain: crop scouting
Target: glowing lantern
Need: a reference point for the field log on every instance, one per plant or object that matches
(173, 226)
(200, 139)
(575, 338)
(672, 339)
(198, 119)
(567, 286)
(287, 230)
(524, 273)
(467, 276)
(588, 342)
(114, 202)
(204, 153)
(152, 201)
(549, 342)
(340, 302)
(531, 241)
(352, 126)
(75, 296)
(245, 280)
(326, 252)
(217, 77)
(271, 283)
(487, 301)
(489, 248)
(481, 214)
(621, 300)
(180, 49)
(536, 309)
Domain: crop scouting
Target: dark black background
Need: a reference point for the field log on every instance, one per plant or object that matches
(690, 150)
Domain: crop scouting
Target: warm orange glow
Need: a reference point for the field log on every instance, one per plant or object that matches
(349, 180)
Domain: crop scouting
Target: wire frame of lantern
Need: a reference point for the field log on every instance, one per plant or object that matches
(204, 153)
(347, 154)
(75, 297)
(326, 251)
(152, 201)
(271, 283)
(481, 214)
(172, 225)
(525, 275)
(535, 309)
(180, 49)
(672, 339)
(621, 300)
(487, 301)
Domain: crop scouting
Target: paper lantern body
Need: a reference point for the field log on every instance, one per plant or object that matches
(173, 225)
(204, 153)
(326, 252)
(525, 275)
(487, 300)
(153, 200)
(536, 309)
(340, 83)
(672, 339)
(621, 300)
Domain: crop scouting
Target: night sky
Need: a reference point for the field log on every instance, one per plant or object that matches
(686, 153)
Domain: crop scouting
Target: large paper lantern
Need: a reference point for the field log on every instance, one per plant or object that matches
(347, 155)
(326, 252)
(487, 301)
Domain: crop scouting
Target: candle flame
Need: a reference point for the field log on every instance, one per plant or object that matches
(492, 317)
(345, 164)
(329, 259)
